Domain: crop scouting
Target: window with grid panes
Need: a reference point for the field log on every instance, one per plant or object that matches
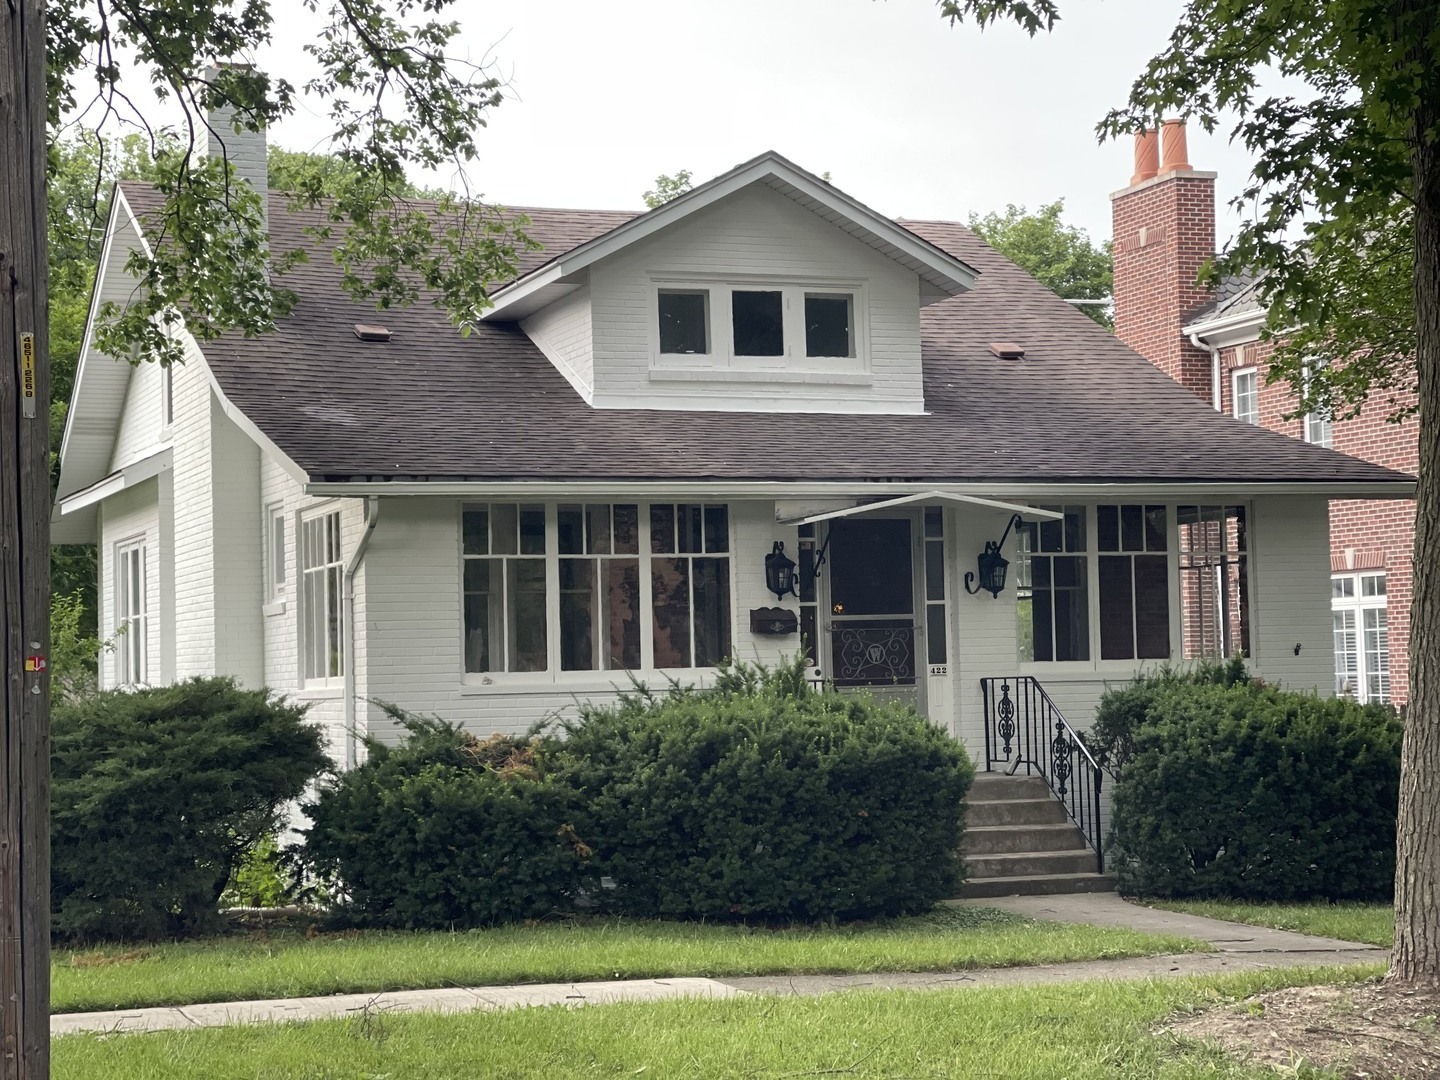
(132, 653)
(505, 603)
(1362, 636)
(1052, 588)
(1214, 581)
(936, 637)
(321, 567)
(599, 586)
(1133, 569)
(690, 584)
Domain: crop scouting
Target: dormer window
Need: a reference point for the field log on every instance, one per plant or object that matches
(767, 327)
(685, 321)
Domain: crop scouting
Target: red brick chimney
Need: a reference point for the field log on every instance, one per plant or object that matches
(1164, 229)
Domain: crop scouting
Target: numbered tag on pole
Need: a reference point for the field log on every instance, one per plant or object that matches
(27, 375)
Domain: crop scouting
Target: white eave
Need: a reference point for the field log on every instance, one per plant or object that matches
(815, 514)
(943, 274)
(1222, 330)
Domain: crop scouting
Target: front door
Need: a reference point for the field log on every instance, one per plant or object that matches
(870, 600)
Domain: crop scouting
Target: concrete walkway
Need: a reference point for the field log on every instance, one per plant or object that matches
(1236, 948)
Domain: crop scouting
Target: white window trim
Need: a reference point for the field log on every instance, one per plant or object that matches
(1318, 430)
(721, 359)
(1359, 604)
(328, 682)
(132, 629)
(1235, 376)
(276, 591)
(477, 682)
(1096, 667)
(167, 400)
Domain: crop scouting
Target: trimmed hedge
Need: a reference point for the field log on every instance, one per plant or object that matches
(764, 799)
(1248, 791)
(157, 795)
(758, 798)
(447, 831)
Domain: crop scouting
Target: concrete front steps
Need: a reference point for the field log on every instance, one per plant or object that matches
(1019, 842)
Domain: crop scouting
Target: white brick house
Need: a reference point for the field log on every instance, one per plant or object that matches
(488, 527)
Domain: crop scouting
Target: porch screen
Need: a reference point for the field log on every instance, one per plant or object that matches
(1214, 581)
(1134, 575)
(1052, 588)
(690, 584)
(505, 608)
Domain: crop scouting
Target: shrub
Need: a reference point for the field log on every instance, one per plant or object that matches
(158, 794)
(762, 798)
(447, 830)
(1123, 711)
(1249, 791)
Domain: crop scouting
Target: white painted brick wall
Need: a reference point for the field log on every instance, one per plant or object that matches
(562, 332)
(132, 515)
(761, 232)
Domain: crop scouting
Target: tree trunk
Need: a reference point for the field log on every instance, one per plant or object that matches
(24, 552)
(1416, 958)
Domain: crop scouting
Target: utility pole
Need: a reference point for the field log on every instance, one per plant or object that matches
(24, 551)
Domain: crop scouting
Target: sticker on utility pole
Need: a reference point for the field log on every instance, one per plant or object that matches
(35, 663)
(27, 375)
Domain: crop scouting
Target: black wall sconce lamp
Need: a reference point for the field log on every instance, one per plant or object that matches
(992, 564)
(780, 572)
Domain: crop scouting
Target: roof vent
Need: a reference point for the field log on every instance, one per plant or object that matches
(1007, 350)
(371, 333)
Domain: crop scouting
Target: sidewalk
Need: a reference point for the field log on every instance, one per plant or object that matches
(1237, 948)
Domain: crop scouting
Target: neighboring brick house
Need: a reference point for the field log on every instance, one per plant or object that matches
(1210, 342)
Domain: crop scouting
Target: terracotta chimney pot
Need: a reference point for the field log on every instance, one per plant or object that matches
(1147, 155)
(1173, 152)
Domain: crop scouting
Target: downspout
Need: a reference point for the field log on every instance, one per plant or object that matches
(347, 593)
(1215, 398)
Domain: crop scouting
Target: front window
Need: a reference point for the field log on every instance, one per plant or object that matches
(1214, 581)
(321, 568)
(1053, 593)
(1246, 396)
(829, 324)
(1362, 636)
(1134, 582)
(625, 587)
(131, 622)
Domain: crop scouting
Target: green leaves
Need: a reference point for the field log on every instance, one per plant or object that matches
(1061, 257)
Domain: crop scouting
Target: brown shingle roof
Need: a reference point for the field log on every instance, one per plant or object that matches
(1081, 407)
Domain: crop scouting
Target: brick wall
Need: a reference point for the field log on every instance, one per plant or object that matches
(1365, 534)
(1164, 232)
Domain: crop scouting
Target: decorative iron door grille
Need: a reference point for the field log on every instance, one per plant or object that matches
(874, 638)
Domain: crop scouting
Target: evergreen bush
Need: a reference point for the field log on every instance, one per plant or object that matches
(761, 798)
(1252, 792)
(157, 795)
(447, 830)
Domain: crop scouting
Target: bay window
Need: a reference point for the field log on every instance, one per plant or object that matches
(595, 587)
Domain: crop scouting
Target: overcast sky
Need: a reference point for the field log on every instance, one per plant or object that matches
(909, 115)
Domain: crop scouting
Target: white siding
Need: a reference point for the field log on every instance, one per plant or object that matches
(142, 423)
(757, 232)
(562, 332)
(1291, 541)
(132, 516)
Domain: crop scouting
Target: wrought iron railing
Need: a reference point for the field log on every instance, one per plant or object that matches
(1023, 726)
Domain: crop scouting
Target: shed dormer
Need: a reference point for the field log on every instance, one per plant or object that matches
(766, 289)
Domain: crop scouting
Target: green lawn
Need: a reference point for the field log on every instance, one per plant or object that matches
(1372, 924)
(293, 965)
(1079, 1031)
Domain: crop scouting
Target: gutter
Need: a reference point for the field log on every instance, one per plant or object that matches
(347, 594)
(1215, 398)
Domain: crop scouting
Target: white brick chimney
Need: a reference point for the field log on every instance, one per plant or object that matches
(245, 150)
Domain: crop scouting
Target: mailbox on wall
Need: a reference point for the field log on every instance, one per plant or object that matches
(774, 620)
